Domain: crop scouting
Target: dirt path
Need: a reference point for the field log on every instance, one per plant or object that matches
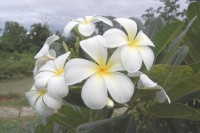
(14, 111)
(17, 87)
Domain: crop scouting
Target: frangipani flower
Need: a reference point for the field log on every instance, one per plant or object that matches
(45, 53)
(134, 48)
(145, 81)
(51, 76)
(103, 76)
(42, 102)
(86, 26)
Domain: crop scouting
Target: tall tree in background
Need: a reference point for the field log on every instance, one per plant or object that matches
(169, 11)
(39, 34)
(14, 37)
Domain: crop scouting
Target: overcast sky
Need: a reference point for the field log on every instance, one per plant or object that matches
(58, 12)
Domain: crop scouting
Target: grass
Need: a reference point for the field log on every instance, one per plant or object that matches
(18, 124)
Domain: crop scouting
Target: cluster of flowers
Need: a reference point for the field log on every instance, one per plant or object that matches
(52, 76)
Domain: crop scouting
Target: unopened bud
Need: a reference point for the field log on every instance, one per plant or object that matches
(110, 103)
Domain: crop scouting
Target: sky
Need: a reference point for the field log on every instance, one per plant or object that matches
(58, 12)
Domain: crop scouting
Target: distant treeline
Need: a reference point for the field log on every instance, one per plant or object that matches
(16, 38)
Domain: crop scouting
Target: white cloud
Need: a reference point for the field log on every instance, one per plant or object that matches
(58, 12)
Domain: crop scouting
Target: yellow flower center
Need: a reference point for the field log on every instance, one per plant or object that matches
(103, 70)
(59, 71)
(42, 92)
(133, 43)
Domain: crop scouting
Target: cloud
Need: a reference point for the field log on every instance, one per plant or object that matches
(58, 12)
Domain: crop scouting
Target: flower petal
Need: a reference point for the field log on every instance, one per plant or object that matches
(60, 61)
(57, 87)
(143, 40)
(119, 86)
(51, 102)
(135, 74)
(95, 49)
(161, 96)
(51, 39)
(129, 25)
(86, 29)
(147, 56)
(131, 59)
(94, 92)
(114, 38)
(103, 19)
(42, 51)
(51, 54)
(32, 96)
(115, 63)
(42, 78)
(77, 70)
(43, 109)
(49, 66)
(140, 85)
(146, 81)
(69, 27)
(39, 63)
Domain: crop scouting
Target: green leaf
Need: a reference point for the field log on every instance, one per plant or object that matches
(189, 86)
(195, 66)
(178, 111)
(154, 26)
(72, 116)
(164, 36)
(193, 36)
(120, 124)
(170, 51)
(48, 128)
(168, 76)
(179, 56)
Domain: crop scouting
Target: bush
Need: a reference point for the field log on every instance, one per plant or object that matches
(15, 64)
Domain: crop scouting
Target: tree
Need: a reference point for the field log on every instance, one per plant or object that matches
(169, 11)
(14, 36)
(39, 34)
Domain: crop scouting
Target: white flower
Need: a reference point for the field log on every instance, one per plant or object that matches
(86, 26)
(145, 81)
(103, 76)
(45, 53)
(42, 102)
(51, 76)
(134, 48)
(110, 103)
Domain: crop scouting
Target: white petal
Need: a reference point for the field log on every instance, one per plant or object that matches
(103, 19)
(69, 27)
(129, 25)
(49, 66)
(131, 59)
(115, 63)
(135, 74)
(146, 81)
(77, 70)
(42, 51)
(143, 40)
(147, 56)
(94, 48)
(42, 109)
(140, 85)
(32, 96)
(39, 63)
(86, 29)
(42, 78)
(51, 39)
(51, 102)
(161, 96)
(60, 61)
(119, 86)
(51, 54)
(57, 87)
(94, 92)
(115, 38)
